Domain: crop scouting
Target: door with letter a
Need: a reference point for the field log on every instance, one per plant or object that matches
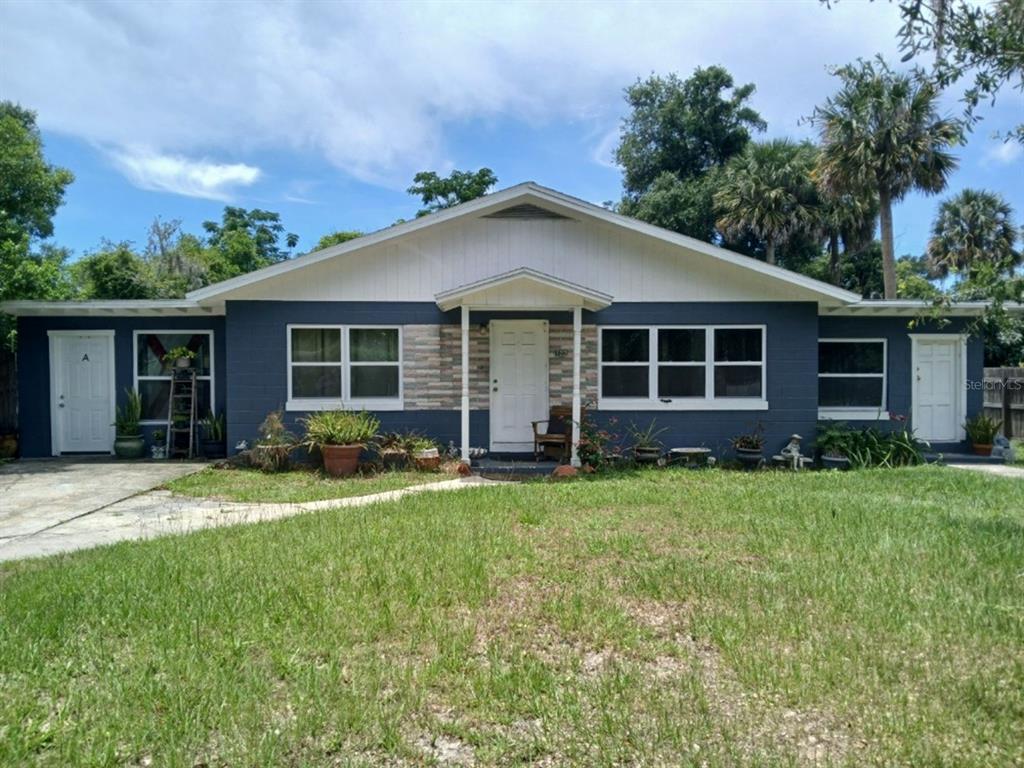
(938, 382)
(518, 382)
(82, 397)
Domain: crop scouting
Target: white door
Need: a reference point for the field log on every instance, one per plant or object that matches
(936, 389)
(519, 382)
(82, 367)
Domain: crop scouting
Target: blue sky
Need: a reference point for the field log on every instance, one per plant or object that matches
(324, 111)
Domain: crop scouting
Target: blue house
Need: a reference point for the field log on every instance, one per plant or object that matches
(471, 323)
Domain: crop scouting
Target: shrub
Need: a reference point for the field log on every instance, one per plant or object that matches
(982, 429)
(834, 440)
(598, 448)
(340, 428)
(127, 417)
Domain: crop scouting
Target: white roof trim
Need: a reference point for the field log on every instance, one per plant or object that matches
(126, 307)
(897, 307)
(535, 192)
(592, 299)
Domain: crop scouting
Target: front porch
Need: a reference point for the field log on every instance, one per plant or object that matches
(519, 353)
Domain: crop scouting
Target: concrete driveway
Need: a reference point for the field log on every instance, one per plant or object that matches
(41, 495)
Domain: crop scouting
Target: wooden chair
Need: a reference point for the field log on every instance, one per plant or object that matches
(557, 432)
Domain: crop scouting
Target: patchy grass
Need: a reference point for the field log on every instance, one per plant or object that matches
(251, 485)
(683, 618)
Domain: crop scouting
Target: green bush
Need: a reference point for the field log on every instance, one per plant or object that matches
(871, 447)
(127, 418)
(982, 429)
(340, 428)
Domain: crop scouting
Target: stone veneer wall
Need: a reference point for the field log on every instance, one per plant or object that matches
(432, 357)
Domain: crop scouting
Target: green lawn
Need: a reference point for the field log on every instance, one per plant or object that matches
(251, 485)
(665, 618)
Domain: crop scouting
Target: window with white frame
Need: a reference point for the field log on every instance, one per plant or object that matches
(851, 376)
(153, 373)
(682, 367)
(344, 366)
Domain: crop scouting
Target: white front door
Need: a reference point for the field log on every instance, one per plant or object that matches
(937, 384)
(519, 382)
(82, 397)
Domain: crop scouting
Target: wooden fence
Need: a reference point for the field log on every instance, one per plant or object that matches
(8, 391)
(1004, 398)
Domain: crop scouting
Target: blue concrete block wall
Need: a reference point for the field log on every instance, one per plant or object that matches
(257, 366)
(792, 386)
(899, 380)
(34, 365)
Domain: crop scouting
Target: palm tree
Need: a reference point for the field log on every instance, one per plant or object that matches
(767, 190)
(882, 132)
(849, 218)
(972, 229)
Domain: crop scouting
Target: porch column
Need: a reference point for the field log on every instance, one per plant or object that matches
(465, 384)
(577, 328)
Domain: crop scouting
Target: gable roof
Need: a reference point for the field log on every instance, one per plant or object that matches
(533, 194)
(580, 295)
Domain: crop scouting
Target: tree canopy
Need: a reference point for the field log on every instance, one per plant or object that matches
(974, 229)
(881, 131)
(336, 238)
(438, 193)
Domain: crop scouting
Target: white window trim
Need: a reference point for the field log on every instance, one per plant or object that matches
(345, 402)
(178, 331)
(873, 413)
(707, 403)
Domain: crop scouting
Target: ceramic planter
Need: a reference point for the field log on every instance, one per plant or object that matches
(428, 460)
(982, 449)
(750, 458)
(835, 462)
(129, 446)
(341, 460)
(646, 454)
(183, 362)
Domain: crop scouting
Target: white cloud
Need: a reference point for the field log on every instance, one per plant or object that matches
(195, 178)
(1005, 153)
(372, 88)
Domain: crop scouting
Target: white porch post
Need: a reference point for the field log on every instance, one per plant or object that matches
(465, 384)
(577, 332)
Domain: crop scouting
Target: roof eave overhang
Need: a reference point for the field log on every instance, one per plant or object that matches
(912, 308)
(126, 308)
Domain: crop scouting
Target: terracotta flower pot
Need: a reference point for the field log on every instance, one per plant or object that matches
(341, 460)
(983, 449)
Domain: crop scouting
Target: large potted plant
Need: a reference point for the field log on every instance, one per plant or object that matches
(214, 443)
(128, 440)
(749, 448)
(647, 448)
(180, 357)
(340, 436)
(981, 431)
(834, 443)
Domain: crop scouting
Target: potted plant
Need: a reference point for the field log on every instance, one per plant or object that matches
(981, 431)
(341, 436)
(647, 448)
(834, 441)
(749, 448)
(181, 357)
(214, 443)
(393, 449)
(128, 441)
(425, 454)
(158, 450)
(272, 450)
